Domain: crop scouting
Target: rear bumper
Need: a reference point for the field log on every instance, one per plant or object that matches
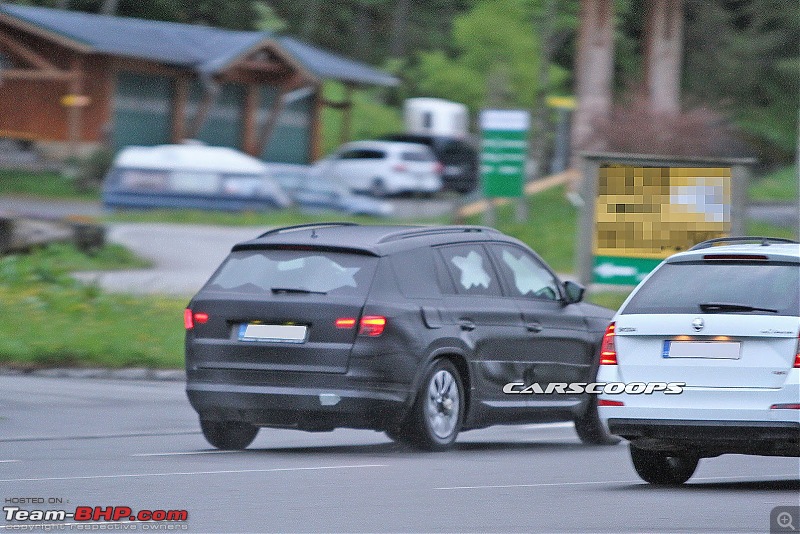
(701, 431)
(313, 408)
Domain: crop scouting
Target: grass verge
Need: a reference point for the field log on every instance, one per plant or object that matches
(50, 320)
(777, 186)
(42, 184)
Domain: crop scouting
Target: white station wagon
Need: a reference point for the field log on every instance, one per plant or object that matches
(722, 321)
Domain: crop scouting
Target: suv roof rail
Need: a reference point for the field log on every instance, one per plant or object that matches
(304, 226)
(433, 230)
(765, 241)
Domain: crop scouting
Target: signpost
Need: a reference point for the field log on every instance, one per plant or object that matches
(504, 147)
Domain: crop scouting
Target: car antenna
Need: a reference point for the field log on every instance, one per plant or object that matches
(314, 233)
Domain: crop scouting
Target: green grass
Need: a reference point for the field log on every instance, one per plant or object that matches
(264, 219)
(609, 299)
(758, 228)
(42, 184)
(778, 186)
(551, 228)
(49, 319)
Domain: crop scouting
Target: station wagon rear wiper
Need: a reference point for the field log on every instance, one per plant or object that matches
(297, 290)
(721, 307)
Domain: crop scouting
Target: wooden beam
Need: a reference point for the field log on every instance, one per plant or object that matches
(272, 121)
(179, 109)
(43, 75)
(74, 112)
(250, 139)
(25, 53)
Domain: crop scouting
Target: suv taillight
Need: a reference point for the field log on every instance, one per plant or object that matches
(191, 318)
(371, 325)
(608, 350)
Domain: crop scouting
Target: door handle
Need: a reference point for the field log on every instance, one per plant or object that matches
(533, 327)
(466, 325)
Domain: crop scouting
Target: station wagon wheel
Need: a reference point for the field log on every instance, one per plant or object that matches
(439, 408)
(663, 467)
(228, 435)
(378, 188)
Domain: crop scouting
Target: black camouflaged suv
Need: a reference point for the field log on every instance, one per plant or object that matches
(414, 331)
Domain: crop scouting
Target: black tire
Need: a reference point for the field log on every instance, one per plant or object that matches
(438, 411)
(590, 429)
(398, 435)
(229, 435)
(662, 467)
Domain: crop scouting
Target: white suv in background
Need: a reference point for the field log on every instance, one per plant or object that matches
(722, 321)
(383, 168)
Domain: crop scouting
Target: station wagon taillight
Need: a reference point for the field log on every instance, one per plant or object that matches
(608, 350)
(797, 356)
(604, 402)
(372, 325)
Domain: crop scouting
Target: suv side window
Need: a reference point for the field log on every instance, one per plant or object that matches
(527, 276)
(470, 270)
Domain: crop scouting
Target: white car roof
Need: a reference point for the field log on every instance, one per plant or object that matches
(773, 251)
(189, 157)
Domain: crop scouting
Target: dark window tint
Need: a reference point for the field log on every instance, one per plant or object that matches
(470, 270)
(266, 270)
(362, 153)
(682, 287)
(416, 273)
(527, 276)
(417, 155)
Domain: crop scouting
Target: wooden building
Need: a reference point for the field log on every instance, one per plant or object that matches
(71, 79)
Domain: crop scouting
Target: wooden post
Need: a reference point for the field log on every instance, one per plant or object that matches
(250, 122)
(347, 115)
(663, 50)
(209, 96)
(179, 109)
(74, 110)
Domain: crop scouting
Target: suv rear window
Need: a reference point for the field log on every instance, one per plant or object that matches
(682, 287)
(418, 155)
(268, 271)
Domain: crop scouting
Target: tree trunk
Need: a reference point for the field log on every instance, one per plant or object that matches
(541, 116)
(109, 7)
(663, 49)
(594, 71)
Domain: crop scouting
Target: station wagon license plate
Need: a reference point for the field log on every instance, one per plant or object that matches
(718, 350)
(282, 333)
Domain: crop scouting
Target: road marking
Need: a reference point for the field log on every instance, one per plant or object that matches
(184, 453)
(189, 473)
(103, 436)
(8, 461)
(546, 484)
(537, 426)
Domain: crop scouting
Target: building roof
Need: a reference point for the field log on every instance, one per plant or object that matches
(204, 49)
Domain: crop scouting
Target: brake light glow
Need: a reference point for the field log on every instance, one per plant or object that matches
(792, 406)
(345, 322)
(735, 257)
(191, 318)
(400, 167)
(797, 356)
(438, 168)
(604, 402)
(608, 350)
(372, 325)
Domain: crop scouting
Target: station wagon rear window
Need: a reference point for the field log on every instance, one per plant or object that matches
(294, 272)
(683, 287)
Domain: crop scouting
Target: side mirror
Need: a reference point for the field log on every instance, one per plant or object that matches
(574, 291)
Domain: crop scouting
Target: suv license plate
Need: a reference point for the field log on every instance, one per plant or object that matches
(282, 333)
(718, 350)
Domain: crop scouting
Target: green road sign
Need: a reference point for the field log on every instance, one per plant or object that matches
(620, 270)
(504, 146)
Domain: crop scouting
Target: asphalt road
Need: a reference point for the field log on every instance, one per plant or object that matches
(136, 444)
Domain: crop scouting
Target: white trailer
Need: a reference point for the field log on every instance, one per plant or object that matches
(435, 116)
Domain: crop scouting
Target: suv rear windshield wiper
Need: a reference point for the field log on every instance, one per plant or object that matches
(296, 290)
(722, 307)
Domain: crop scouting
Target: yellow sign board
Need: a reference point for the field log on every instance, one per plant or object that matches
(75, 101)
(565, 102)
(654, 212)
